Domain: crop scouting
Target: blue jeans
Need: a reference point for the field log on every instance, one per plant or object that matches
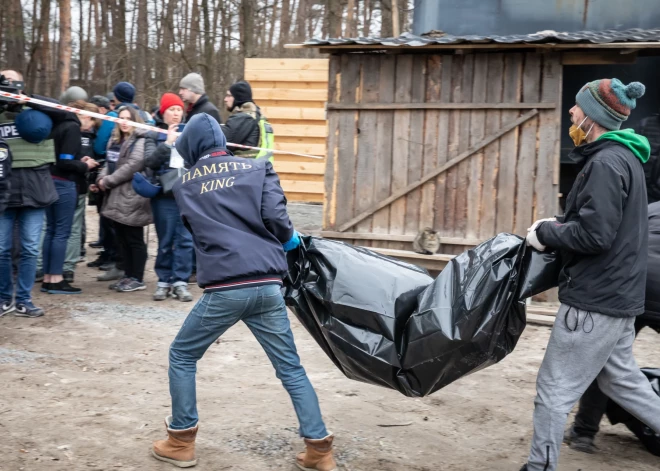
(30, 222)
(263, 311)
(175, 246)
(59, 220)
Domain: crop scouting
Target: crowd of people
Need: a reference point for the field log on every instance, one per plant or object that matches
(62, 162)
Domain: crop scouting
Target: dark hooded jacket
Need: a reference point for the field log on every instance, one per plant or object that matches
(203, 105)
(68, 152)
(234, 208)
(603, 235)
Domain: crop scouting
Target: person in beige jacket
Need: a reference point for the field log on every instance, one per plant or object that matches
(129, 211)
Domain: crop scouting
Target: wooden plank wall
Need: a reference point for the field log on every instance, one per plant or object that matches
(373, 153)
(292, 93)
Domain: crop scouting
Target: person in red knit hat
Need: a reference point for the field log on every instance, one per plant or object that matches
(175, 248)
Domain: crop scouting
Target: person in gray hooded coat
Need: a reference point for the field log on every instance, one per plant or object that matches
(129, 211)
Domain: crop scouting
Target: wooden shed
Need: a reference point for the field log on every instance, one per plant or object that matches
(461, 135)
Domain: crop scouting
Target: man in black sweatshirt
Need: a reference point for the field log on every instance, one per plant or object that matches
(603, 242)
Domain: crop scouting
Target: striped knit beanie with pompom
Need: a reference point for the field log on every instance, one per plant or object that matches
(608, 101)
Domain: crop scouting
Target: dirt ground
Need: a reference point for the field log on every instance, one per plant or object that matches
(85, 388)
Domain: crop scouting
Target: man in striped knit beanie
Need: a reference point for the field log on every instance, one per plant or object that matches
(603, 242)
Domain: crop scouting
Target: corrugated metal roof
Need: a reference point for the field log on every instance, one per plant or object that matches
(542, 37)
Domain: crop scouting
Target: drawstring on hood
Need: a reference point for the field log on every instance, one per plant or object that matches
(201, 134)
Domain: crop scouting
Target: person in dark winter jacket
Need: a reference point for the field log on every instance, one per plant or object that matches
(236, 211)
(593, 404)
(129, 211)
(67, 173)
(87, 135)
(243, 124)
(124, 94)
(175, 247)
(603, 242)
(650, 128)
(31, 191)
(192, 92)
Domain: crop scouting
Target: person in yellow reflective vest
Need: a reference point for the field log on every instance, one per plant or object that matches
(246, 124)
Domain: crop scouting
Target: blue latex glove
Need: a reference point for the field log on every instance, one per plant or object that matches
(293, 243)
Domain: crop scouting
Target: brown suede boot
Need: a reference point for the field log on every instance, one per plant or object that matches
(179, 447)
(318, 455)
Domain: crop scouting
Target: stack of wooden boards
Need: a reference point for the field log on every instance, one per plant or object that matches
(292, 93)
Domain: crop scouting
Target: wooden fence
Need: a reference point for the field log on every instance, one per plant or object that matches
(465, 144)
(292, 93)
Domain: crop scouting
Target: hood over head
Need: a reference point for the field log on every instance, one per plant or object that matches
(201, 134)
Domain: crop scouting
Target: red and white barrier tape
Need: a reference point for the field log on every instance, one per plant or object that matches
(91, 114)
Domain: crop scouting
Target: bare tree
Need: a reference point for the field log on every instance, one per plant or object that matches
(141, 51)
(64, 48)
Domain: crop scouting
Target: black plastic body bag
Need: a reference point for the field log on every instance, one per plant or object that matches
(387, 322)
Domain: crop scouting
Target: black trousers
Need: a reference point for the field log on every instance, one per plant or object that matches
(109, 240)
(593, 403)
(132, 249)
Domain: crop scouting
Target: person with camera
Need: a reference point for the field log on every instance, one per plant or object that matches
(32, 190)
(175, 246)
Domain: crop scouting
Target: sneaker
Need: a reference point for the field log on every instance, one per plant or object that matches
(161, 293)
(39, 276)
(114, 274)
(6, 307)
(116, 284)
(63, 287)
(68, 276)
(27, 309)
(580, 443)
(131, 285)
(97, 244)
(101, 259)
(45, 287)
(193, 279)
(182, 294)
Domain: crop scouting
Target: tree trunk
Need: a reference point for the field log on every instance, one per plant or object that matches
(15, 37)
(368, 15)
(141, 46)
(64, 48)
(32, 66)
(81, 42)
(386, 18)
(247, 28)
(97, 73)
(209, 45)
(301, 18)
(285, 24)
(118, 51)
(333, 10)
(396, 25)
(273, 21)
(190, 51)
(351, 24)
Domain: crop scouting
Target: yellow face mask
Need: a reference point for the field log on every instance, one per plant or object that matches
(577, 133)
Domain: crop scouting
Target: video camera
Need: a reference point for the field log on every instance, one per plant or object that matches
(15, 87)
